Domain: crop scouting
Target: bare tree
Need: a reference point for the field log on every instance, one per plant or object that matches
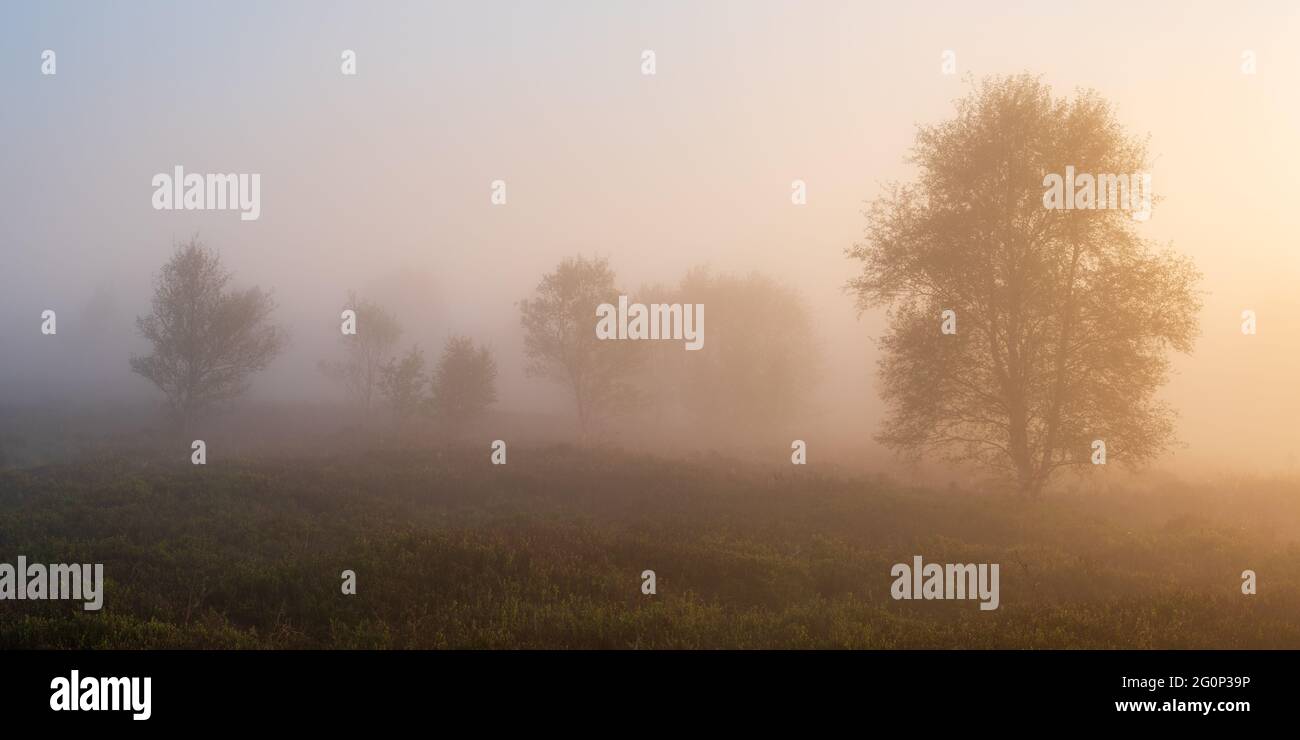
(560, 339)
(1063, 317)
(464, 383)
(365, 352)
(207, 340)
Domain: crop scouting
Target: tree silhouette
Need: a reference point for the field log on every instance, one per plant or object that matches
(1064, 317)
(464, 383)
(402, 382)
(560, 341)
(207, 340)
(364, 353)
(762, 361)
(763, 357)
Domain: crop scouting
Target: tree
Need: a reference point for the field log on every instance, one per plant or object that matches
(364, 352)
(560, 341)
(1064, 318)
(464, 383)
(207, 340)
(762, 357)
(401, 383)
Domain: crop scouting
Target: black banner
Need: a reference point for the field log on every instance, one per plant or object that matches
(963, 689)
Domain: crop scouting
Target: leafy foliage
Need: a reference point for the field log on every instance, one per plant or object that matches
(464, 383)
(207, 339)
(402, 382)
(560, 340)
(1064, 316)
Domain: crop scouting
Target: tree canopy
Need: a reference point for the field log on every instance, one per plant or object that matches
(208, 339)
(1064, 317)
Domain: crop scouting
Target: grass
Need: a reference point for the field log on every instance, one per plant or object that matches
(547, 552)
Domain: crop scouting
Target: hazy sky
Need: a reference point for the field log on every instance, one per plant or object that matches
(381, 181)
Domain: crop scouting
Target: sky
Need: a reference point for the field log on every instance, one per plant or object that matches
(380, 182)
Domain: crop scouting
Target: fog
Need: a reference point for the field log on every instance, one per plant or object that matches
(381, 182)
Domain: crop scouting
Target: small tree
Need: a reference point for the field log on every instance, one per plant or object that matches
(464, 383)
(401, 383)
(365, 352)
(207, 340)
(560, 339)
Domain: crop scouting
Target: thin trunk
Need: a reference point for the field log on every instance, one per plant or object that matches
(1059, 377)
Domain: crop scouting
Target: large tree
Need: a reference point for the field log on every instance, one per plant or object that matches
(560, 340)
(207, 338)
(1064, 317)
